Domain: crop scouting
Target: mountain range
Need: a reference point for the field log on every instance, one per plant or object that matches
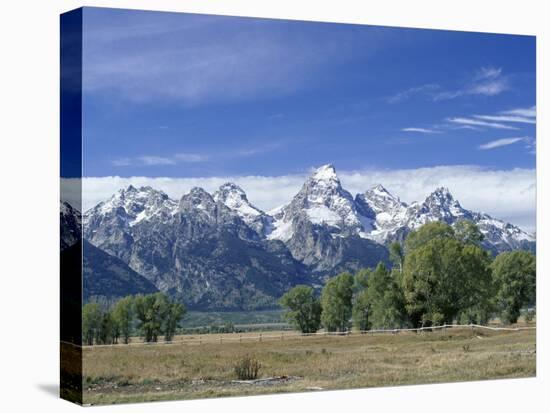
(220, 252)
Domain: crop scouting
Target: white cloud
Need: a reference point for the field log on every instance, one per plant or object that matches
(418, 90)
(526, 112)
(190, 157)
(477, 122)
(500, 142)
(420, 130)
(488, 88)
(205, 59)
(505, 194)
(153, 160)
(488, 73)
(506, 118)
(488, 81)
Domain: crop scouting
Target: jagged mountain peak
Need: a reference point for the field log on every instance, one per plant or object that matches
(441, 201)
(321, 201)
(234, 197)
(325, 173)
(229, 190)
(197, 198)
(379, 199)
(442, 192)
(379, 191)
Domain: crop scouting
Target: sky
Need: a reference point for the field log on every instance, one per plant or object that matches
(175, 100)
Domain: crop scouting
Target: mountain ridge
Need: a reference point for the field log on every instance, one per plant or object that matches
(220, 251)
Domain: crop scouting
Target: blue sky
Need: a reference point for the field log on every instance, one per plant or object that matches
(184, 96)
(171, 94)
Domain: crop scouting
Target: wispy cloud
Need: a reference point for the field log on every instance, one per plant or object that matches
(420, 130)
(153, 160)
(506, 118)
(486, 81)
(525, 112)
(206, 60)
(188, 158)
(428, 89)
(478, 122)
(500, 142)
(191, 157)
(259, 149)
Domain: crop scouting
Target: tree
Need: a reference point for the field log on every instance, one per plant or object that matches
(361, 310)
(304, 309)
(515, 277)
(336, 301)
(427, 233)
(442, 275)
(150, 310)
(123, 317)
(91, 322)
(468, 232)
(106, 330)
(172, 317)
(362, 279)
(479, 303)
(385, 299)
(360, 305)
(397, 255)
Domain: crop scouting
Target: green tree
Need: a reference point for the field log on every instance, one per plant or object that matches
(336, 301)
(479, 303)
(361, 310)
(123, 318)
(442, 275)
(361, 280)
(426, 233)
(397, 255)
(515, 277)
(106, 330)
(91, 322)
(385, 298)
(150, 310)
(172, 316)
(468, 232)
(304, 308)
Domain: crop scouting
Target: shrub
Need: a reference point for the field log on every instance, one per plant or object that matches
(247, 368)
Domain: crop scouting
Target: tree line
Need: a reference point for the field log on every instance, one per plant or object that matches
(150, 316)
(440, 274)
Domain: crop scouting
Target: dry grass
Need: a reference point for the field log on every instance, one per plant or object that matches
(163, 372)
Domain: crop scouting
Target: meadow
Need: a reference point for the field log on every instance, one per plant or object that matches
(199, 366)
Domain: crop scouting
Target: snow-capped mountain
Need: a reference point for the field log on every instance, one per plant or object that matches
(323, 202)
(323, 228)
(220, 251)
(393, 219)
(382, 212)
(233, 197)
(70, 222)
(197, 249)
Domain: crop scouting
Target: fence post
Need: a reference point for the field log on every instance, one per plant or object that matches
(260, 337)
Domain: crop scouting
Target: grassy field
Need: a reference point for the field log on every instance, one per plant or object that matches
(122, 374)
